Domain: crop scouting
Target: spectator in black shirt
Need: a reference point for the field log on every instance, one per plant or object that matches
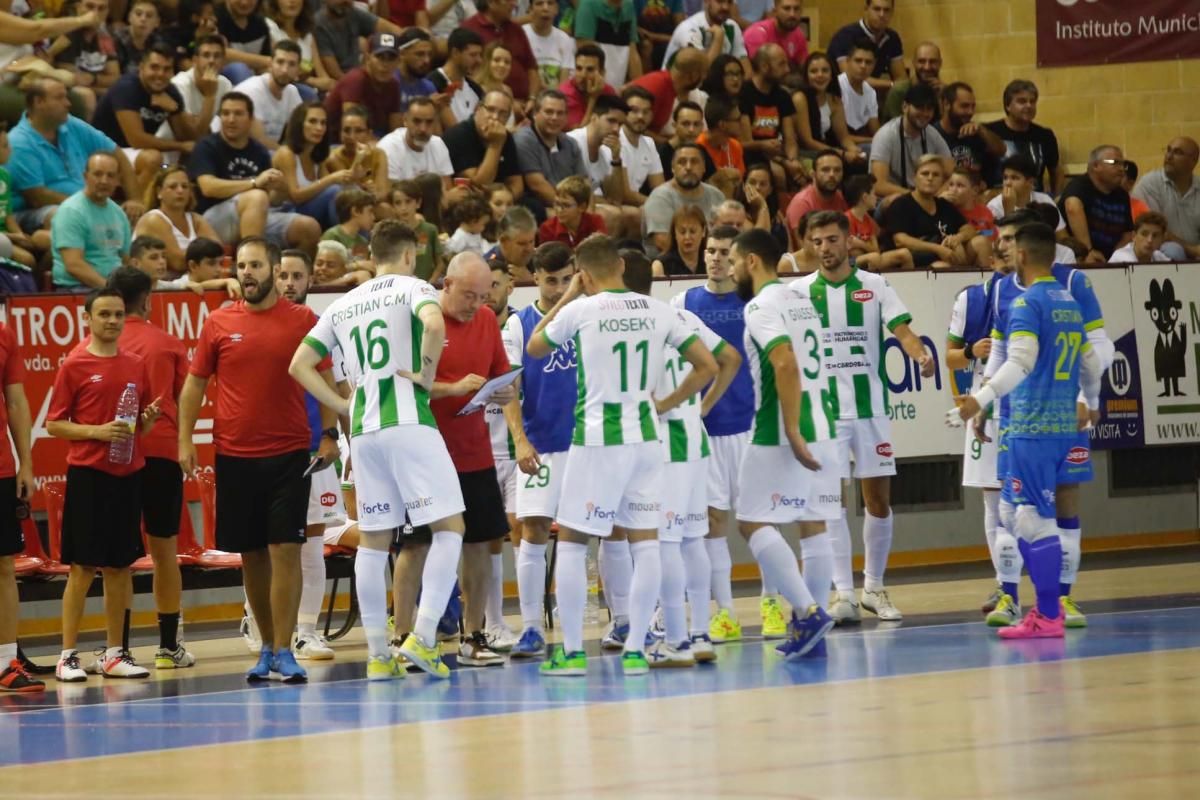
(134, 40)
(932, 229)
(481, 148)
(245, 29)
(1096, 208)
(1021, 135)
(889, 66)
(768, 115)
(137, 105)
(969, 142)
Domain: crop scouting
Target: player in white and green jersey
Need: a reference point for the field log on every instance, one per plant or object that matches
(613, 476)
(782, 479)
(857, 310)
(391, 333)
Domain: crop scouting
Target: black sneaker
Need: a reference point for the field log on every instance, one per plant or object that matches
(32, 668)
(15, 679)
(476, 652)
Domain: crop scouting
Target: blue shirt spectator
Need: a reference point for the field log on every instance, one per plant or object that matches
(90, 234)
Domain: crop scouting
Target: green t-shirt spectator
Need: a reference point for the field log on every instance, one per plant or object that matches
(429, 250)
(5, 196)
(101, 231)
(350, 241)
(614, 29)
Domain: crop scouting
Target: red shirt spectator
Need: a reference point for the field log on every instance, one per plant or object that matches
(474, 348)
(810, 199)
(659, 84)
(552, 230)
(577, 101)
(863, 228)
(12, 371)
(404, 12)
(766, 31)
(86, 391)
(517, 43)
(380, 99)
(259, 408)
(981, 219)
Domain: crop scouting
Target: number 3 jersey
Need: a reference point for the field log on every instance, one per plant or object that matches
(378, 330)
(621, 341)
(776, 316)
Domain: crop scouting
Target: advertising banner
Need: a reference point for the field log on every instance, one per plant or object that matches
(1121, 419)
(1166, 312)
(1075, 32)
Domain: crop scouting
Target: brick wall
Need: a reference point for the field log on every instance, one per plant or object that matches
(987, 43)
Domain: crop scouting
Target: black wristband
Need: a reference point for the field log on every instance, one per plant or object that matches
(969, 351)
(331, 433)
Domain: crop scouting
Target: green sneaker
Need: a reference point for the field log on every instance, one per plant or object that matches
(724, 628)
(1007, 612)
(383, 668)
(1072, 616)
(562, 664)
(634, 663)
(774, 626)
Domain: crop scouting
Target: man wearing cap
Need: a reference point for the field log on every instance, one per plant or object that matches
(374, 86)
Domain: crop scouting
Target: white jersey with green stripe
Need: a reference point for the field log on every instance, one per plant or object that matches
(776, 316)
(855, 313)
(621, 341)
(684, 434)
(503, 447)
(378, 330)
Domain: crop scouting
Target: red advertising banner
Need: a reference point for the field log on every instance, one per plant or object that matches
(48, 327)
(1075, 32)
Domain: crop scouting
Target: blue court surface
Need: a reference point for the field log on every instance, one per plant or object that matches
(101, 719)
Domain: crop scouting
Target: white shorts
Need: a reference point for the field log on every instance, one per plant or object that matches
(869, 443)
(401, 471)
(684, 501)
(776, 488)
(723, 465)
(507, 473)
(537, 495)
(335, 533)
(979, 458)
(325, 506)
(614, 485)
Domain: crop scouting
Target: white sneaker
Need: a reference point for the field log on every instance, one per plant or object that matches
(179, 658)
(96, 666)
(121, 665)
(68, 669)
(311, 646)
(613, 638)
(251, 636)
(501, 638)
(844, 609)
(658, 624)
(661, 655)
(702, 648)
(881, 606)
(474, 651)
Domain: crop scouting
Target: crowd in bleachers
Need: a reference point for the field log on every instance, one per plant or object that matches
(499, 124)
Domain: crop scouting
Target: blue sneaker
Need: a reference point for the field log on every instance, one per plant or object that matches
(262, 670)
(805, 634)
(818, 650)
(285, 664)
(448, 625)
(531, 645)
(614, 637)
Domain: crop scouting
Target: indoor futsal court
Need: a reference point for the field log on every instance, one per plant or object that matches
(935, 706)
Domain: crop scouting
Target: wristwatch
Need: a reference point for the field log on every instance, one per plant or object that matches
(332, 433)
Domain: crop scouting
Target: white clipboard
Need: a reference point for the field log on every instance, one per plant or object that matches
(486, 391)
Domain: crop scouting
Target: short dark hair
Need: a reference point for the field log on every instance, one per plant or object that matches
(689, 146)
(158, 47)
(143, 243)
(1020, 162)
(639, 272)
(1018, 86)
(96, 294)
(684, 105)
(421, 101)
(1022, 216)
(758, 242)
(271, 249)
(236, 96)
(723, 232)
(865, 44)
(921, 96)
(950, 91)
(591, 51)
(1046, 213)
(551, 257)
(131, 284)
(348, 202)
(287, 46)
(718, 109)
(855, 187)
(201, 248)
(821, 219)
(640, 92)
(598, 254)
(391, 239)
(829, 152)
(304, 257)
(211, 38)
(462, 38)
(1131, 170)
(470, 209)
(548, 94)
(1037, 239)
(608, 102)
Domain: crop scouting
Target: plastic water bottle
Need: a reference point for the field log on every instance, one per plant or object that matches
(591, 610)
(121, 451)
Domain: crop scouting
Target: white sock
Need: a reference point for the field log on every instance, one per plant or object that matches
(1008, 514)
(699, 582)
(768, 590)
(1071, 539)
(437, 581)
(817, 554)
(370, 584)
(67, 653)
(843, 567)
(570, 590)
(877, 545)
(616, 573)
(671, 596)
(312, 584)
(531, 583)
(494, 615)
(722, 570)
(643, 592)
(1008, 557)
(8, 654)
(777, 560)
(991, 519)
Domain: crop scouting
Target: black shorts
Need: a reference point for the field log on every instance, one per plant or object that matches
(102, 519)
(484, 516)
(12, 540)
(162, 497)
(261, 501)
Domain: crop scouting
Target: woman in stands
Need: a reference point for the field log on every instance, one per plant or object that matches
(819, 112)
(685, 254)
(725, 77)
(311, 187)
(492, 75)
(758, 189)
(358, 153)
(171, 218)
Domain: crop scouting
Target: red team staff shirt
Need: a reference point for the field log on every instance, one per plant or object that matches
(12, 370)
(86, 391)
(259, 407)
(471, 347)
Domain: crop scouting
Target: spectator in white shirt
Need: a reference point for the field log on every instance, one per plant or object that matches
(552, 48)
(1019, 178)
(712, 31)
(414, 149)
(859, 101)
(600, 143)
(203, 85)
(1149, 232)
(274, 96)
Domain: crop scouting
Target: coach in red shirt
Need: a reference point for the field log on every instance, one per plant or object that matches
(494, 23)
(473, 354)
(262, 437)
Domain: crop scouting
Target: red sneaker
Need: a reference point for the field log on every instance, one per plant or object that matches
(1034, 626)
(15, 679)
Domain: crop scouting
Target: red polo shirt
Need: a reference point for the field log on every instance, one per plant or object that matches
(659, 84)
(554, 231)
(475, 348)
(517, 43)
(12, 370)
